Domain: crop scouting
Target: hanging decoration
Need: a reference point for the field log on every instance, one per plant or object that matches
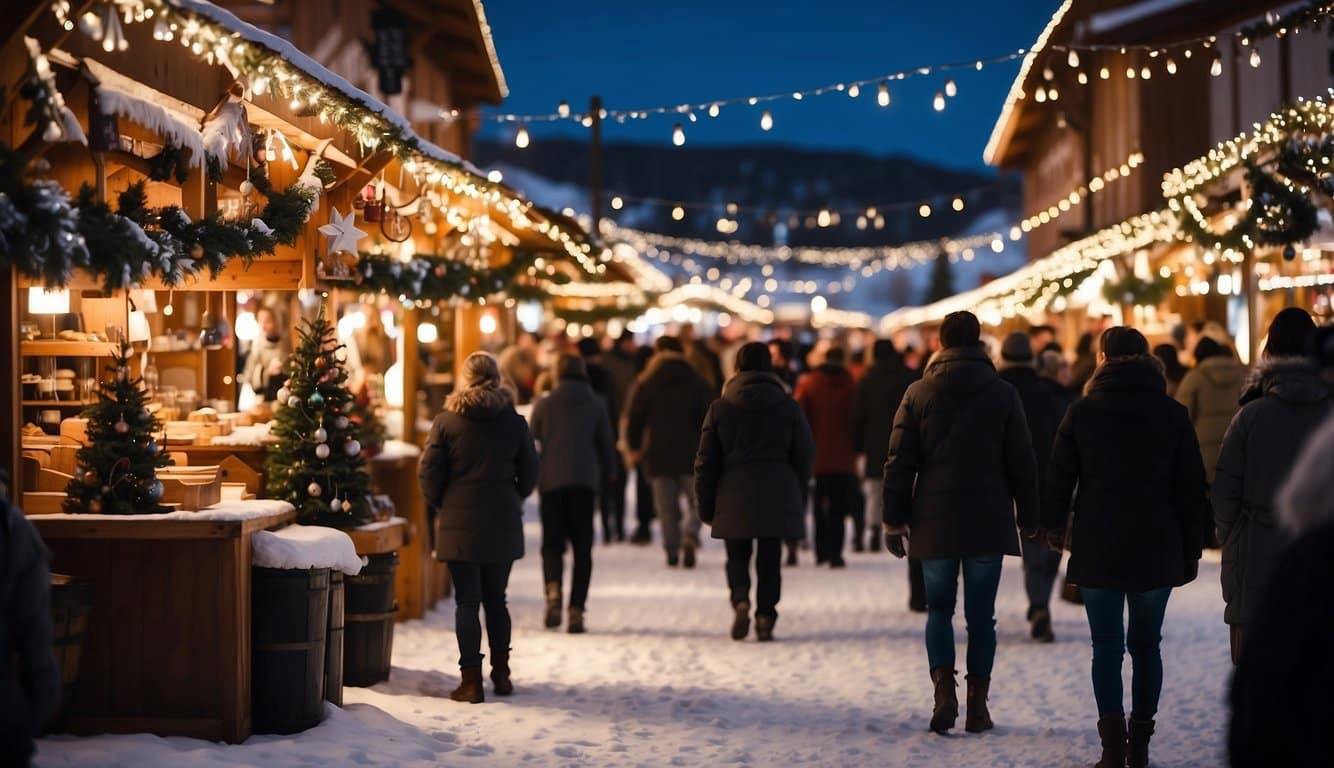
(171, 163)
(55, 122)
(1137, 291)
(428, 278)
(39, 225)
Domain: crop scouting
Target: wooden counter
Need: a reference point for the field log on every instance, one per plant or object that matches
(167, 649)
(380, 537)
(420, 581)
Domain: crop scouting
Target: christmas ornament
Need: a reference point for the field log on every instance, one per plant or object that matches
(352, 447)
(293, 401)
(122, 426)
(153, 447)
(246, 187)
(314, 489)
(154, 491)
(342, 232)
(320, 435)
(341, 422)
(1289, 252)
(315, 399)
(321, 362)
(336, 505)
(95, 506)
(322, 451)
(90, 478)
(106, 489)
(283, 394)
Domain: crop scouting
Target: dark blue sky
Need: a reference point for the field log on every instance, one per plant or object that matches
(639, 54)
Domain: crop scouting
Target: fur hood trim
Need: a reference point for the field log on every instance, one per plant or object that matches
(485, 399)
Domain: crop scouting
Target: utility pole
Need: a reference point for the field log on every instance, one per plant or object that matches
(595, 166)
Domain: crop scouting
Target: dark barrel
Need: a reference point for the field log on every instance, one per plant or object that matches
(369, 640)
(70, 606)
(289, 618)
(333, 652)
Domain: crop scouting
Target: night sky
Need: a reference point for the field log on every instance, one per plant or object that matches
(640, 54)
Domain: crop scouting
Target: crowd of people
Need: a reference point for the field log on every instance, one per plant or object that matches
(1121, 456)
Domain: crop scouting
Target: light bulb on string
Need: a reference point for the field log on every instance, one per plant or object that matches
(882, 95)
(854, 91)
(939, 102)
(766, 121)
(678, 135)
(1216, 68)
(617, 203)
(1255, 57)
(563, 109)
(1083, 78)
(713, 110)
(678, 213)
(924, 211)
(1170, 66)
(957, 204)
(1130, 73)
(1104, 73)
(521, 137)
(1145, 72)
(951, 89)
(1073, 59)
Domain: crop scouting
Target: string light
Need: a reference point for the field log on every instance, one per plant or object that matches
(1073, 59)
(1170, 66)
(617, 203)
(678, 135)
(1216, 68)
(521, 137)
(714, 109)
(766, 121)
(882, 95)
(924, 211)
(957, 204)
(854, 91)
(938, 103)
(1255, 57)
(678, 213)
(563, 109)
(951, 90)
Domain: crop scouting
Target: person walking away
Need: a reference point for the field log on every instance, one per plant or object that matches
(663, 420)
(826, 395)
(1136, 529)
(1284, 403)
(752, 475)
(645, 514)
(619, 362)
(878, 396)
(598, 376)
(960, 468)
(29, 676)
(1044, 412)
(1173, 370)
(782, 352)
(1054, 375)
(478, 466)
(1281, 707)
(578, 455)
(1210, 392)
(1086, 361)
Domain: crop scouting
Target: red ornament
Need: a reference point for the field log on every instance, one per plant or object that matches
(95, 506)
(91, 479)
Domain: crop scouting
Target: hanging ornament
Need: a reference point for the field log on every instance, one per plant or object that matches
(283, 394)
(1289, 252)
(95, 506)
(314, 489)
(336, 505)
(342, 232)
(352, 447)
(322, 451)
(320, 435)
(341, 422)
(122, 426)
(316, 400)
(293, 401)
(90, 478)
(246, 187)
(106, 489)
(154, 490)
(321, 361)
(153, 447)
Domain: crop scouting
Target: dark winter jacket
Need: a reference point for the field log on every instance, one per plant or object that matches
(1061, 397)
(878, 396)
(29, 677)
(754, 461)
(574, 431)
(664, 415)
(1041, 409)
(826, 395)
(478, 466)
(1210, 391)
(1281, 707)
(1286, 403)
(961, 461)
(1131, 450)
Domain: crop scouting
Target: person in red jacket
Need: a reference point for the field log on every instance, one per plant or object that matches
(828, 396)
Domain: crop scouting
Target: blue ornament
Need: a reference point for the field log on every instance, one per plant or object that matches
(315, 399)
(154, 491)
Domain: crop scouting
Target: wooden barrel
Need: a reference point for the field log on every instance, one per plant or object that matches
(333, 652)
(70, 605)
(369, 640)
(289, 619)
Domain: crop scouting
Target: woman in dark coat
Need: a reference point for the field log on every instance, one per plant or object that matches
(1283, 404)
(1137, 525)
(478, 466)
(751, 474)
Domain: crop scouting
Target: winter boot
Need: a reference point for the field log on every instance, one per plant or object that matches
(1137, 743)
(764, 628)
(978, 718)
(553, 605)
(641, 536)
(1040, 625)
(857, 544)
(791, 555)
(688, 555)
(500, 673)
(877, 540)
(946, 710)
(1112, 732)
(575, 623)
(470, 688)
(741, 622)
(673, 559)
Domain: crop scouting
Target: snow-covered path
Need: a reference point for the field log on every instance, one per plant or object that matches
(658, 682)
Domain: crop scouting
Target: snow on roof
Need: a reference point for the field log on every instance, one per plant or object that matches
(1000, 133)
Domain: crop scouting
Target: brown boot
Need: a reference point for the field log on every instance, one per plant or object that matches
(764, 628)
(1137, 743)
(740, 620)
(947, 700)
(1112, 732)
(553, 605)
(978, 718)
(500, 674)
(470, 688)
(575, 623)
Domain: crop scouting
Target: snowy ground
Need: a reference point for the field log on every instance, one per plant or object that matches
(658, 682)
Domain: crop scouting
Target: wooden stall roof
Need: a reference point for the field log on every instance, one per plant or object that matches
(1125, 21)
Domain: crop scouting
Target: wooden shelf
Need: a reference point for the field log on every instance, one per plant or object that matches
(57, 403)
(48, 348)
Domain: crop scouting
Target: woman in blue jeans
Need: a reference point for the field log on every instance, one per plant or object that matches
(960, 468)
(1128, 458)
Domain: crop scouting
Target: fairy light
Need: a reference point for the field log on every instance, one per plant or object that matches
(521, 137)
(1073, 59)
(924, 211)
(957, 205)
(678, 213)
(951, 89)
(882, 95)
(617, 203)
(563, 109)
(854, 91)
(1216, 68)
(766, 121)
(1255, 57)
(678, 135)
(714, 109)
(1170, 66)
(938, 103)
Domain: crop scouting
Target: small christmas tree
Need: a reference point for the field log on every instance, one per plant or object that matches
(117, 472)
(317, 463)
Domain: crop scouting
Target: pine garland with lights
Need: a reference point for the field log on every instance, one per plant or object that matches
(117, 469)
(39, 225)
(1137, 291)
(435, 278)
(318, 464)
(604, 313)
(1279, 214)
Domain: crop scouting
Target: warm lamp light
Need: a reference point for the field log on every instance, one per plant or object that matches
(427, 333)
(48, 302)
(393, 385)
(139, 330)
(487, 324)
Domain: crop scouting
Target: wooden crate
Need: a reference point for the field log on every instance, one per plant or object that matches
(192, 488)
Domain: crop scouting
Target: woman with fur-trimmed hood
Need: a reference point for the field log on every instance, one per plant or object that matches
(478, 466)
(1284, 402)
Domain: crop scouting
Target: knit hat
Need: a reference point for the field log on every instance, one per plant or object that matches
(754, 357)
(960, 329)
(1123, 341)
(1017, 348)
(1289, 332)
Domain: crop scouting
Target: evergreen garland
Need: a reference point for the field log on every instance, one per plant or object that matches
(603, 313)
(39, 226)
(1135, 291)
(170, 163)
(1279, 215)
(117, 469)
(318, 464)
(435, 278)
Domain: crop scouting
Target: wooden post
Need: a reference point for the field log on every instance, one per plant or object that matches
(467, 336)
(595, 169)
(412, 374)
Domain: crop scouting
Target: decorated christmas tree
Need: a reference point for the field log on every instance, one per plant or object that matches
(117, 472)
(317, 463)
